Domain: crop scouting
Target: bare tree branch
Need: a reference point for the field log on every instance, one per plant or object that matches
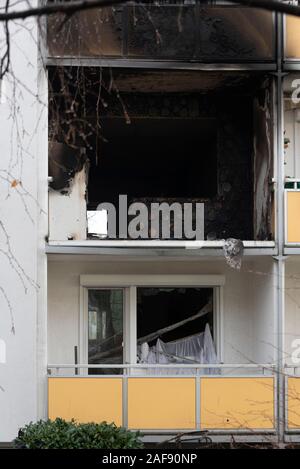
(61, 7)
(271, 5)
(78, 5)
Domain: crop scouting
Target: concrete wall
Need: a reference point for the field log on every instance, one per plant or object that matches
(22, 209)
(248, 304)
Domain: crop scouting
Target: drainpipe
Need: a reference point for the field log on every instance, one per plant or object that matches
(280, 258)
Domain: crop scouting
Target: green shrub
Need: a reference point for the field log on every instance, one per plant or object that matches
(59, 434)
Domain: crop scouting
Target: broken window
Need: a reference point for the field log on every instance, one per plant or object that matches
(175, 325)
(105, 328)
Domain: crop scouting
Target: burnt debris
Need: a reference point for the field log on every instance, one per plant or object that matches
(64, 163)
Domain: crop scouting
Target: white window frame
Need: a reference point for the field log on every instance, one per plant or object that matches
(130, 283)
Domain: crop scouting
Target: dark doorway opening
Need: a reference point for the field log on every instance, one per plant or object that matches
(155, 158)
(158, 308)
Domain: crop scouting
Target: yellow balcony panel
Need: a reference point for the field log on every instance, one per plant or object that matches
(292, 44)
(161, 403)
(293, 216)
(85, 399)
(293, 403)
(237, 403)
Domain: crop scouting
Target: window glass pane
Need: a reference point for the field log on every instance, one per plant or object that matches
(175, 325)
(105, 328)
(91, 33)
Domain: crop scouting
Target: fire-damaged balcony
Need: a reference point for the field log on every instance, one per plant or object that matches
(160, 137)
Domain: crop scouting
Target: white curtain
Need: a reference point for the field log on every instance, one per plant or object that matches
(198, 348)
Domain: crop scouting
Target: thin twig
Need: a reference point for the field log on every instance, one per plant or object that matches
(74, 6)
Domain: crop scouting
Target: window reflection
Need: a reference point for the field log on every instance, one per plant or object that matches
(105, 329)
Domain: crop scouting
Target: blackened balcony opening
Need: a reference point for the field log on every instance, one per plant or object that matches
(169, 137)
(155, 158)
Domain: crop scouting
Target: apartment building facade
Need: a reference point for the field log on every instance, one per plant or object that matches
(170, 103)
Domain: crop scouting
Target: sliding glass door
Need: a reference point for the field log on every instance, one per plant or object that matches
(105, 328)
